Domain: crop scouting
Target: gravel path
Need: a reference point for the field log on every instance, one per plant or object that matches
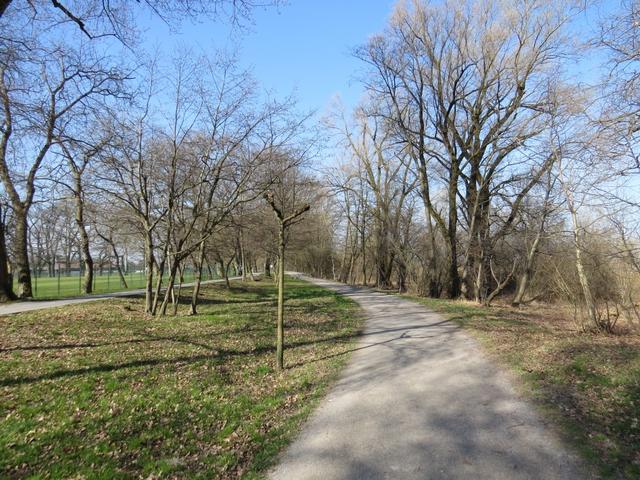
(31, 305)
(419, 400)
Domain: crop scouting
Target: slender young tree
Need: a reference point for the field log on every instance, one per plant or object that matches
(285, 221)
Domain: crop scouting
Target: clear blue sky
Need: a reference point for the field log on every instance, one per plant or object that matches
(303, 47)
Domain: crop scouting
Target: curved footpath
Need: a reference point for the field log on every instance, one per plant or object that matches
(419, 400)
(32, 305)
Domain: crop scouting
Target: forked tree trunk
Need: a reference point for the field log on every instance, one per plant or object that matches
(176, 296)
(158, 290)
(117, 257)
(525, 278)
(123, 279)
(241, 256)
(224, 271)
(169, 291)
(87, 284)
(284, 223)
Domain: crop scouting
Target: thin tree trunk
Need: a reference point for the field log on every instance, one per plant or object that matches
(402, 277)
(158, 290)
(149, 266)
(582, 275)
(197, 280)
(176, 298)
(280, 325)
(589, 302)
(343, 263)
(6, 283)
(224, 271)
(119, 266)
(242, 258)
(363, 247)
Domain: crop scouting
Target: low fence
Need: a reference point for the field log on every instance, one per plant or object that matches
(70, 285)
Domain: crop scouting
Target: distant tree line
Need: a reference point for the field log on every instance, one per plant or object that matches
(103, 157)
(478, 166)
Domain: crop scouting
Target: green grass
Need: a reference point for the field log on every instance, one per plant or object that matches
(588, 384)
(71, 286)
(102, 391)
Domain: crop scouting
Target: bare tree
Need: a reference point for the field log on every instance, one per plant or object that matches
(287, 214)
(78, 153)
(384, 169)
(115, 18)
(40, 91)
(468, 88)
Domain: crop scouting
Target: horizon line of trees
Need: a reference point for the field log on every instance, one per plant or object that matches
(165, 157)
(476, 167)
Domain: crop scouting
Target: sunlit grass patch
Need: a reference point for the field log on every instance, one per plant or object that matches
(102, 390)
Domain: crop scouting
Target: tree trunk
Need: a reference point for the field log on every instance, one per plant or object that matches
(525, 278)
(454, 276)
(158, 290)
(224, 271)
(87, 284)
(197, 280)
(123, 280)
(6, 282)
(22, 253)
(176, 297)
(170, 283)
(343, 264)
(363, 248)
(240, 254)
(402, 277)
(149, 266)
(267, 267)
(582, 275)
(280, 325)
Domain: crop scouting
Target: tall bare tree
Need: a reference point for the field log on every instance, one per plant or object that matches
(40, 91)
(468, 86)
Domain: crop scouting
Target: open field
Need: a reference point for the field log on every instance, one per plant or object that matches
(103, 391)
(587, 383)
(71, 286)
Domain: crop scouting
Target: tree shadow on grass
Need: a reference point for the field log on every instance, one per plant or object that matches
(227, 301)
(216, 354)
(148, 339)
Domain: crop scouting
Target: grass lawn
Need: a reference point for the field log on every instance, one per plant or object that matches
(102, 391)
(71, 286)
(589, 384)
